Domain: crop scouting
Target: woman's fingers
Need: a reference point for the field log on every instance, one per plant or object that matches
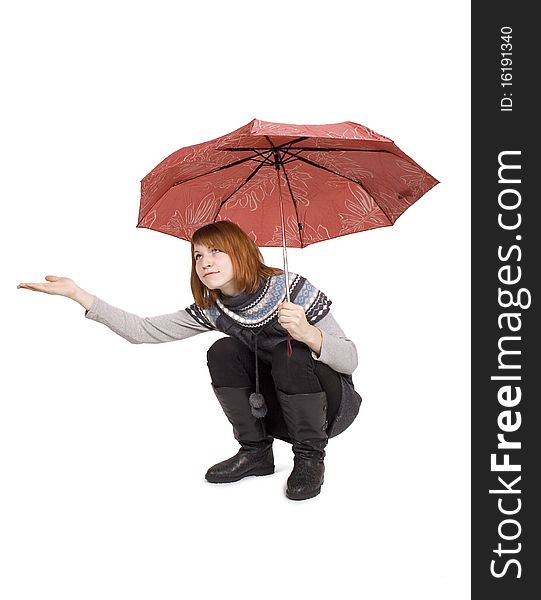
(47, 287)
(36, 287)
(288, 306)
(292, 317)
(290, 310)
(59, 286)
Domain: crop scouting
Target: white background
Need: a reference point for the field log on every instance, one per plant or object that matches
(104, 444)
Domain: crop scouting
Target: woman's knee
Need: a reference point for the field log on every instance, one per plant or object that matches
(222, 351)
(229, 363)
(284, 365)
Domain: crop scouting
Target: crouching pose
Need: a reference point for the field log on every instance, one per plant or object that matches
(284, 369)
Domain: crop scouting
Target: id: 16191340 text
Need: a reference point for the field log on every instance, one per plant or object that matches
(506, 68)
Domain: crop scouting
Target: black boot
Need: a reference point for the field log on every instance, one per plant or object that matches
(255, 455)
(306, 419)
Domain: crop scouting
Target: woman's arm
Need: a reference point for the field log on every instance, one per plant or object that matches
(135, 329)
(337, 351)
(326, 339)
(144, 330)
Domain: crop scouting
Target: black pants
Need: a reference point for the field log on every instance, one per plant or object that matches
(232, 364)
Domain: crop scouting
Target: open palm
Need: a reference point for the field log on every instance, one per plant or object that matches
(60, 286)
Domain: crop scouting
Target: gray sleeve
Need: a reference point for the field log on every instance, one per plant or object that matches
(337, 351)
(150, 330)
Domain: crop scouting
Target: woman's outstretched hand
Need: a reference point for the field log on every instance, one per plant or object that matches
(61, 286)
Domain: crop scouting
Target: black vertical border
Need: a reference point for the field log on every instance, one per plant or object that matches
(494, 131)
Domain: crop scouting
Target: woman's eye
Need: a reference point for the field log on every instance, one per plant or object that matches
(216, 250)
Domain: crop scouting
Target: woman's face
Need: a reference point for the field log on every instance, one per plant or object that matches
(215, 269)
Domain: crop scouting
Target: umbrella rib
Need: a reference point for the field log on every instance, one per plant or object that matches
(237, 162)
(264, 155)
(316, 149)
(282, 146)
(233, 164)
(314, 164)
(272, 146)
(278, 152)
(235, 191)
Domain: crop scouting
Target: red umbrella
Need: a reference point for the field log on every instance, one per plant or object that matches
(285, 185)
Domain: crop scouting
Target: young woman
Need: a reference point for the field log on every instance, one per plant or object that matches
(284, 369)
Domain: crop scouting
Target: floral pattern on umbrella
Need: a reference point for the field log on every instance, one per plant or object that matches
(362, 212)
(324, 181)
(184, 223)
(311, 234)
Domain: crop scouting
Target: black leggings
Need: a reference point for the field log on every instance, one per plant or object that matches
(232, 364)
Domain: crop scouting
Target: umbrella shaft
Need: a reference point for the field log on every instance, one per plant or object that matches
(286, 269)
(284, 249)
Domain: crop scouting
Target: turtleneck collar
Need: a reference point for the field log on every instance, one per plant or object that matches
(243, 299)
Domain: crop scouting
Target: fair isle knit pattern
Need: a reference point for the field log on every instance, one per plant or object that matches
(253, 319)
(262, 310)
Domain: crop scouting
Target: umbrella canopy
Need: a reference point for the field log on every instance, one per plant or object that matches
(284, 184)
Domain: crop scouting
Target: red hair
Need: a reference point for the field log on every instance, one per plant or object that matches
(246, 258)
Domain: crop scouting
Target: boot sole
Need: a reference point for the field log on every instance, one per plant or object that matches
(256, 472)
(303, 496)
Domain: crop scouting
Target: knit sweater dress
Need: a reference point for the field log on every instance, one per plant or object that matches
(252, 319)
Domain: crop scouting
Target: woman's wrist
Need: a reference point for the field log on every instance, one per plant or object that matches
(314, 339)
(83, 298)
